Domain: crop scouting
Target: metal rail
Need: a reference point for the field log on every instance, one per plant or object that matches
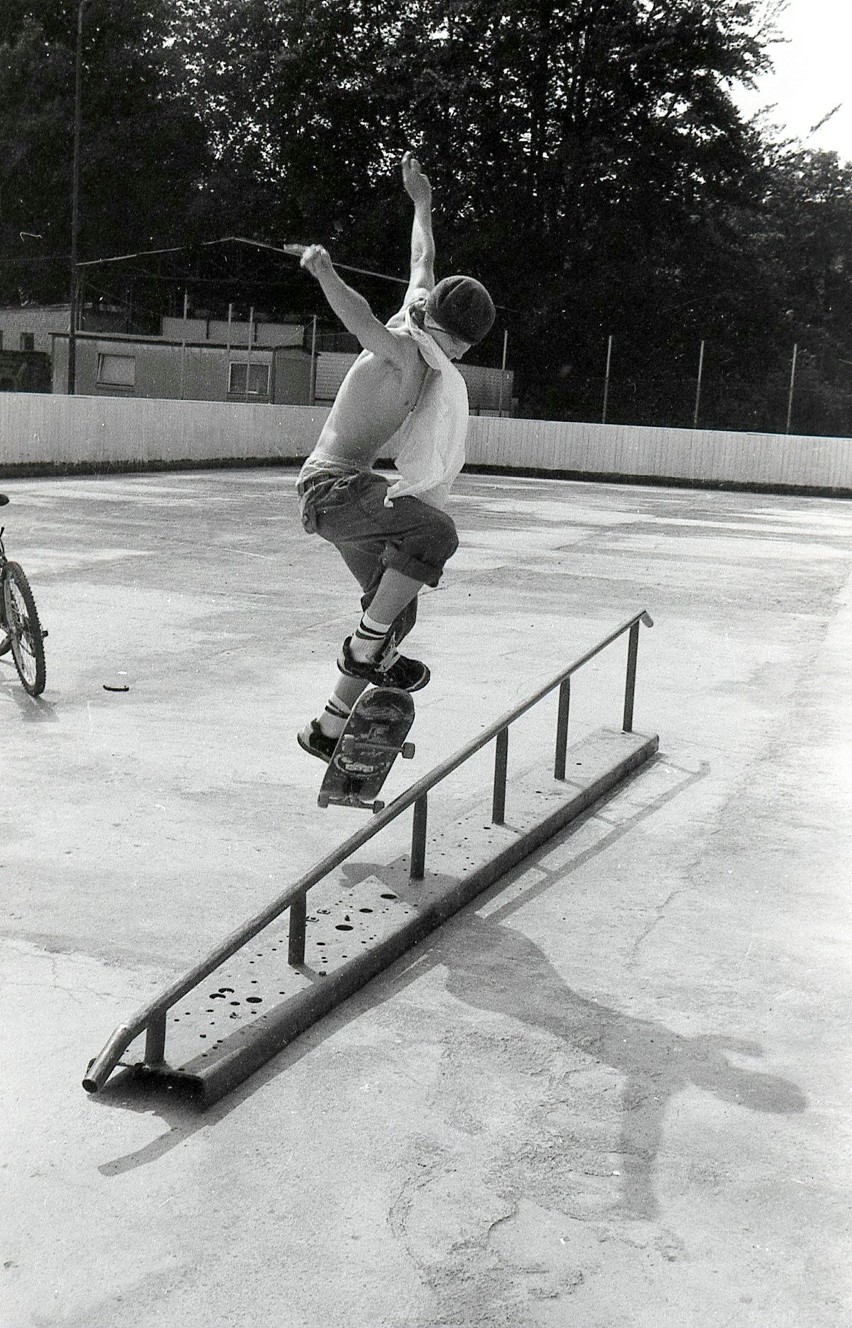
(151, 1018)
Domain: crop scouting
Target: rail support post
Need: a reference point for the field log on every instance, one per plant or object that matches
(501, 760)
(418, 839)
(298, 922)
(155, 1040)
(630, 686)
(562, 728)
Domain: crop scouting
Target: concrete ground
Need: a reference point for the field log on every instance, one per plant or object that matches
(613, 1094)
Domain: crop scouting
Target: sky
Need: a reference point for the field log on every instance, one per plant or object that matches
(813, 72)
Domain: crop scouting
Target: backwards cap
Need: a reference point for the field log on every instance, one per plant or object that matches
(462, 307)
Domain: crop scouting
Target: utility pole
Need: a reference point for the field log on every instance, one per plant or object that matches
(75, 202)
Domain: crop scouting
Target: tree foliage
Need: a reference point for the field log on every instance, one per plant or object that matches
(143, 148)
(588, 159)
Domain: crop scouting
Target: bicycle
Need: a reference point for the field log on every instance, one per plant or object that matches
(20, 621)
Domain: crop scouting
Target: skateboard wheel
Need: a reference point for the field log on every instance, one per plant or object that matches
(378, 807)
(322, 800)
(407, 750)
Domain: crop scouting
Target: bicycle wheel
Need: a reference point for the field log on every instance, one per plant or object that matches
(24, 629)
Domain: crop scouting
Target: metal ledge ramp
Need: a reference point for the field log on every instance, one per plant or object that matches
(258, 1002)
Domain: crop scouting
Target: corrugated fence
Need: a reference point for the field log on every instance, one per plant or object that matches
(41, 433)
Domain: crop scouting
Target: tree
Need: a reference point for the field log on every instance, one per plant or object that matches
(589, 162)
(585, 132)
(807, 244)
(607, 143)
(143, 149)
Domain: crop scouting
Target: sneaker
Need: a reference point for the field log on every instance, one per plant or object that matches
(312, 739)
(390, 669)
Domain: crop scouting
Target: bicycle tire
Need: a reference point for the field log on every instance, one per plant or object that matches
(24, 628)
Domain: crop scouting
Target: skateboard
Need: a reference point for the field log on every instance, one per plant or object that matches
(374, 736)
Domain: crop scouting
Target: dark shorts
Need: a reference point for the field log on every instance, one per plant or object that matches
(349, 511)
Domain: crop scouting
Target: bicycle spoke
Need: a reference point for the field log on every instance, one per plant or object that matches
(24, 628)
(21, 629)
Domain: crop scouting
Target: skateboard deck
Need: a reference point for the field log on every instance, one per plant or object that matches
(374, 736)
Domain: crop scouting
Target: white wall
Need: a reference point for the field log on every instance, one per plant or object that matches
(700, 456)
(63, 432)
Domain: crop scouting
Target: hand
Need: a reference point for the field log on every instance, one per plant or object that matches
(416, 184)
(317, 261)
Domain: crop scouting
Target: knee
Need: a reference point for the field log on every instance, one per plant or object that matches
(442, 537)
(434, 543)
(423, 550)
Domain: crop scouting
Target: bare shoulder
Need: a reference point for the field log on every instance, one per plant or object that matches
(408, 350)
(412, 295)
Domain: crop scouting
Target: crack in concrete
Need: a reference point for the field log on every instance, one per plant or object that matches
(507, 1217)
(659, 913)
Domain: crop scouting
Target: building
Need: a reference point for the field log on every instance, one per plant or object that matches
(209, 360)
(199, 359)
(28, 327)
(24, 371)
(489, 391)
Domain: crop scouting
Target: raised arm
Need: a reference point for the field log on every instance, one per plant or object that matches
(352, 309)
(419, 190)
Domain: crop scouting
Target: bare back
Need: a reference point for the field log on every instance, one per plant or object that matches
(374, 399)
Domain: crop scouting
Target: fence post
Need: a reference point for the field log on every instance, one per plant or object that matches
(228, 351)
(698, 386)
(606, 378)
(792, 386)
(248, 356)
(503, 376)
(314, 362)
(183, 346)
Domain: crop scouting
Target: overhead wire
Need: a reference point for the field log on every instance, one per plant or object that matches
(290, 250)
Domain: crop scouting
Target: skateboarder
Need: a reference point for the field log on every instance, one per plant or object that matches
(393, 538)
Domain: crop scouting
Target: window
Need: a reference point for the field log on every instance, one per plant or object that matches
(116, 370)
(27, 341)
(258, 380)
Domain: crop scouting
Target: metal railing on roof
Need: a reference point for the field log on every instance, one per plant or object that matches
(151, 1018)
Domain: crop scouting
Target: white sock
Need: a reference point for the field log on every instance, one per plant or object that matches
(333, 719)
(368, 639)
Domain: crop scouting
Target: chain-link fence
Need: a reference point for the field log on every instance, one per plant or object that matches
(802, 396)
(669, 401)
